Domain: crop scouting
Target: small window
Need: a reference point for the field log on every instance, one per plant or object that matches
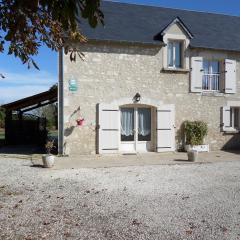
(235, 118)
(175, 54)
(211, 75)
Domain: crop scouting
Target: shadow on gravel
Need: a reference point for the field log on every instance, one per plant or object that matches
(181, 160)
(234, 151)
(22, 150)
(37, 166)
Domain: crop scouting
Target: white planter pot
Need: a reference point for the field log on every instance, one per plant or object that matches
(199, 148)
(48, 161)
(192, 155)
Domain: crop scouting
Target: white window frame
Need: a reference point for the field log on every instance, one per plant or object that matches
(211, 75)
(174, 42)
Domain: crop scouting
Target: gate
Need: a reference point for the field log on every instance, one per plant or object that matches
(28, 130)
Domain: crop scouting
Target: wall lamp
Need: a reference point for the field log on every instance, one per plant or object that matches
(137, 97)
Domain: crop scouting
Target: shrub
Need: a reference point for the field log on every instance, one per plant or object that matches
(195, 132)
(49, 146)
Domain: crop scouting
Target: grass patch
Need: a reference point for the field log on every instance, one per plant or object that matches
(2, 137)
(2, 134)
(53, 133)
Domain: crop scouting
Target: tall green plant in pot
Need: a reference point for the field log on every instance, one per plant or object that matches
(195, 132)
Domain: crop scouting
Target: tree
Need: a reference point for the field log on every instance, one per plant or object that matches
(50, 113)
(25, 25)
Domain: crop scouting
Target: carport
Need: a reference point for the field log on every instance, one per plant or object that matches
(21, 127)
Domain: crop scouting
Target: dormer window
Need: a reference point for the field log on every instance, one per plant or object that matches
(174, 54)
(176, 38)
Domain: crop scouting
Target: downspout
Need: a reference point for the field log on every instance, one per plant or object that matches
(60, 103)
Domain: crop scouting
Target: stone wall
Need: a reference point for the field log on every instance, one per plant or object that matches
(114, 71)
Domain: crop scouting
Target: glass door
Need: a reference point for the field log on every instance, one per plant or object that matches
(135, 129)
(144, 124)
(127, 125)
(128, 130)
(144, 129)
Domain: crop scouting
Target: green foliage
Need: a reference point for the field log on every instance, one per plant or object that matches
(49, 146)
(26, 25)
(2, 117)
(195, 132)
(50, 113)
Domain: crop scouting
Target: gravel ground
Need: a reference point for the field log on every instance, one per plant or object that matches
(197, 201)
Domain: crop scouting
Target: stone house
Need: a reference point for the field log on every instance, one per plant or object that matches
(145, 72)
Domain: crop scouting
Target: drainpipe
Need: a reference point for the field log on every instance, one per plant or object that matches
(60, 103)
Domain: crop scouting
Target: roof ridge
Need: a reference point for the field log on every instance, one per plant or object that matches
(157, 6)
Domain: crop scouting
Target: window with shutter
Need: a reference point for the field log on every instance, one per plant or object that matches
(196, 74)
(165, 128)
(109, 128)
(230, 76)
(234, 118)
(211, 75)
(230, 119)
(226, 123)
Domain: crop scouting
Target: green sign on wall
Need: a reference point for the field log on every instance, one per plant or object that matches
(73, 85)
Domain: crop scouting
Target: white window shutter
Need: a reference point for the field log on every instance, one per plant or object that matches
(226, 119)
(230, 76)
(165, 128)
(196, 74)
(108, 128)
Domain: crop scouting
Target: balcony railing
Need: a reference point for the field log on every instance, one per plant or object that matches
(211, 82)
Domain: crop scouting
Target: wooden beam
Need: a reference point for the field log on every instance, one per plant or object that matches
(30, 101)
(38, 106)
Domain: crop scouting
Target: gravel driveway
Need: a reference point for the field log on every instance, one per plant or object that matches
(197, 201)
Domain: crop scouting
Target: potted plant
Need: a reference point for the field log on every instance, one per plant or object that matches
(48, 159)
(195, 132)
(192, 155)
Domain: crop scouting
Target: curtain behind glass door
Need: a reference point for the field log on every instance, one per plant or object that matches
(144, 124)
(127, 124)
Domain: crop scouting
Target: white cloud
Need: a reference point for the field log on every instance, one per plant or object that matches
(19, 85)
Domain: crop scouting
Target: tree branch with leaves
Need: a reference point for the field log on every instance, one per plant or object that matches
(26, 25)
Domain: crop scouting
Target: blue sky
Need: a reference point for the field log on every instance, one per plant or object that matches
(21, 82)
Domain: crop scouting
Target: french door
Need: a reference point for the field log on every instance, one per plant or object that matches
(136, 129)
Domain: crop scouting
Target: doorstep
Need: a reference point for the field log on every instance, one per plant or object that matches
(144, 159)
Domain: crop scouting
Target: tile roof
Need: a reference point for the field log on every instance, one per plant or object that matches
(139, 24)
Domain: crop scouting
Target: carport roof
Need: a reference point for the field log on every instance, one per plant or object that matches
(32, 102)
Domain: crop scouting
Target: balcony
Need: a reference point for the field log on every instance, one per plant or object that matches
(210, 82)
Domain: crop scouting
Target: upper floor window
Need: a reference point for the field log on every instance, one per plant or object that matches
(175, 54)
(211, 75)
